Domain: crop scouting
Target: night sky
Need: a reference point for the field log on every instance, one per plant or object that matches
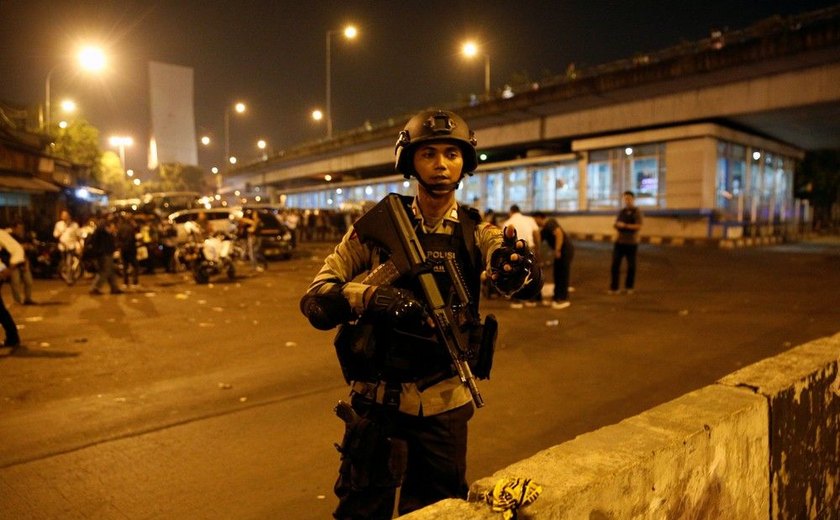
(271, 55)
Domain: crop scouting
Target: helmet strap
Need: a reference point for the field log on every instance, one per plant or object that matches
(439, 189)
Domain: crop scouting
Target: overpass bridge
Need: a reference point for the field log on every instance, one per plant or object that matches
(706, 133)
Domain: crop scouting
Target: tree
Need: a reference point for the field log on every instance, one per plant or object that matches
(112, 177)
(178, 177)
(79, 144)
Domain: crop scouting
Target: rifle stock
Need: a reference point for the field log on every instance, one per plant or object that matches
(387, 225)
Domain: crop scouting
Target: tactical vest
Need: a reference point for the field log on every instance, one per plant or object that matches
(368, 353)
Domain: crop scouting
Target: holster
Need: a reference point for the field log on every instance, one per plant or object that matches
(369, 457)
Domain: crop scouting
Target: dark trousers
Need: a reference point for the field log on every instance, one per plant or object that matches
(562, 268)
(105, 273)
(623, 251)
(8, 322)
(130, 263)
(435, 469)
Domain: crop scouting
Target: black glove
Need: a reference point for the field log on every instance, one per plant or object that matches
(511, 264)
(326, 310)
(399, 309)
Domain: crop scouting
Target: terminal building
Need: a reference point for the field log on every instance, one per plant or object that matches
(707, 134)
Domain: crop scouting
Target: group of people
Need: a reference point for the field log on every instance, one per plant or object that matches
(411, 396)
(539, 230)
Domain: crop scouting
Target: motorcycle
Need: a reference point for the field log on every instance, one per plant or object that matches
(44, 259)
(212, 256)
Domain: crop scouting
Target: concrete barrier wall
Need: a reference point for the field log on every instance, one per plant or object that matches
(762, 443)
(802, 387)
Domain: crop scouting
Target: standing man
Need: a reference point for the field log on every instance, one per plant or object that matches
(408, 422)
(127, 240)
(69, 236)
(555, 236)
(104, 244)
(528, 230)
(11, 257)
(21, 279)
(628, 223)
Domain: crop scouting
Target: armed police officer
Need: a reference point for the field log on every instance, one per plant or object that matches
(412, 392)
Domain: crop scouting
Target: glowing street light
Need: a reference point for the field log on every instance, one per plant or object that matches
(90, 58)
(350, 32)
(205, 140)
(263, 146)
(68, 106)
(317, 115)
(470, 50)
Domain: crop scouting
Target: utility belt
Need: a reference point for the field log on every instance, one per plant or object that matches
(370, 353)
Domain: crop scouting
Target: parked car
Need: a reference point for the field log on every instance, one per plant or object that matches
(223, 220)
(276, 239)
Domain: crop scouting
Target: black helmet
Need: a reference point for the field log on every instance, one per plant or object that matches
(435, 125)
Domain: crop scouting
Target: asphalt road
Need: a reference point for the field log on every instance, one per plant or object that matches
(185, 401)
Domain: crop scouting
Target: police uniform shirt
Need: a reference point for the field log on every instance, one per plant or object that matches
(351, 258)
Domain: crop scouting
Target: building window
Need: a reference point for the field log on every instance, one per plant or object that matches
(640, 169)
(518, 187)
(647, 174)
(730, 191)
(566, 182)
(600, 188)
(770, 192)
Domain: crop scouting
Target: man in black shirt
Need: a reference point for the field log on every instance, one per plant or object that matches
(555, 236)
(628, 223)
(104, 244)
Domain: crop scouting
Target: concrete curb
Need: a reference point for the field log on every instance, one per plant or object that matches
(764, 442)
(723, 243)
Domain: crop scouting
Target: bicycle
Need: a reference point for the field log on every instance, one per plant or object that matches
(71, 268)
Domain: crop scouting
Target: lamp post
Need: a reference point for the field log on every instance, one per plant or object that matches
(90, 58)
(121, 142)
(470, 50)
(349, 32)
(240, 108)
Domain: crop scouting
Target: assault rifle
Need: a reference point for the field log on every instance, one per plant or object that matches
(387, 225)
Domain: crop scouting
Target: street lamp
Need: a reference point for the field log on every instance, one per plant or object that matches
(263, 146)
(121, 142)
(350, 32)
(240, 108)
(90, 58)
(470, 50)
